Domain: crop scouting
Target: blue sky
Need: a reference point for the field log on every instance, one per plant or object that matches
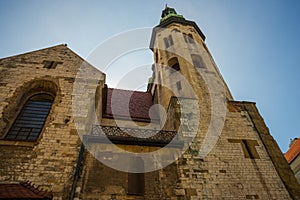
(255, 43)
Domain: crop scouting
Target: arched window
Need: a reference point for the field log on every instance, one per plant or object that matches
(198, 61)
(168, 41)
(174, 64)
(31, 118)
(188, 38)
(191, 39)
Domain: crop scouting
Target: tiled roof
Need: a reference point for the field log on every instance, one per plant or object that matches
(23, 190)
(293, 151)
(139, 104)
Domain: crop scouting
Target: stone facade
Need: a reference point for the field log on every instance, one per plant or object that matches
(50, 161)
(222, 148)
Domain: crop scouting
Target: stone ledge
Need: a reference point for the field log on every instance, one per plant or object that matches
(17, 143)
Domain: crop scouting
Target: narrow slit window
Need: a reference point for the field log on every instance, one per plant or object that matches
(171, 40)
(166, 42)
(185, 37)
(31, 119)
(178, 84)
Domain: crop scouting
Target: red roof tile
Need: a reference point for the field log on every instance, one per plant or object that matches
(23, 190)
(293, 151)
(117, 101)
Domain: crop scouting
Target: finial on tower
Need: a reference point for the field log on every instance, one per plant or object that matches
(168, 12)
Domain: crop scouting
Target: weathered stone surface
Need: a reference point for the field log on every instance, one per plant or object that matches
(244, 161)
(50, 161)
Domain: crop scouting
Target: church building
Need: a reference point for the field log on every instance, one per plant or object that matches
(65, 134)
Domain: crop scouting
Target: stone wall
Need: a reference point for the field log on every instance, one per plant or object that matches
(50, 161)
(228, 172)
(98, 181)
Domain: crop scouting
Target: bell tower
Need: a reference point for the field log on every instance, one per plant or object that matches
(227, 142)
(183, 64)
